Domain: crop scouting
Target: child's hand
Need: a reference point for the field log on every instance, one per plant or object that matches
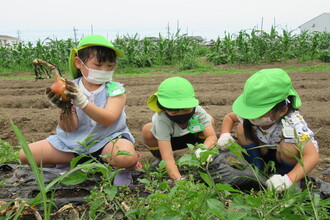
(279, 183)
(79, 99)
(56, 100)
(225, 139)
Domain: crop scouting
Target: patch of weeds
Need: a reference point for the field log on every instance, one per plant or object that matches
(8, 153)
(76, 175)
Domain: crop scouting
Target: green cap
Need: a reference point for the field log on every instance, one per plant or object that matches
(262, 91)
(89, 41)
(175, 93)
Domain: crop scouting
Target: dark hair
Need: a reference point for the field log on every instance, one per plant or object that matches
(160, 106)
(247, 125)
(103, 54)
(166, 109)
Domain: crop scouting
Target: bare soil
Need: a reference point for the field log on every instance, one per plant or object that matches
(24, 102)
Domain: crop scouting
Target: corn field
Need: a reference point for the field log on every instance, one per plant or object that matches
(254, 47)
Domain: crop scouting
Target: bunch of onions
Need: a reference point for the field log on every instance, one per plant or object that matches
(59, 86)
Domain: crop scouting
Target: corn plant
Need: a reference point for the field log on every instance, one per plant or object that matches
(180, 50)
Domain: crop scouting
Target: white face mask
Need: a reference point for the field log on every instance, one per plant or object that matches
(264, 121)
(98, 76)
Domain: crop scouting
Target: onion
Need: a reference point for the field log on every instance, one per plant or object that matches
(59, 86)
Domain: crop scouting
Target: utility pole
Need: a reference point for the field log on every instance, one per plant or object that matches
(92, 29)
(75, 33)
(168, 30)
(19, 35)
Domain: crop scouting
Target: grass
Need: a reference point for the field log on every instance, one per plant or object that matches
(203, 67)
(8, 153)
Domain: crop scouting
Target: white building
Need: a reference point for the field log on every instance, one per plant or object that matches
(320, 23)
(4, 40)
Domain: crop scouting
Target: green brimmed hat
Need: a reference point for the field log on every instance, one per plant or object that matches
(89, 41)
(262, 91)
(175, 93)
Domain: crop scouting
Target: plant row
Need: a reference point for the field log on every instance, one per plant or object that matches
(181, 50)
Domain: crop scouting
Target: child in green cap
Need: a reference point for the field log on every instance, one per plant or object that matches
(179, 120)
(97, 108)
(267, 114)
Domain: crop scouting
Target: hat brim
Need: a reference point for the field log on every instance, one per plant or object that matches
(152, 103)
(73, 71)
(118, 52)
(244, 111)
(178, 103)
(173, 104)
(296, 99)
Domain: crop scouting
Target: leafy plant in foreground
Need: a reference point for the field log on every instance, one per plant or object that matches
(77, 174)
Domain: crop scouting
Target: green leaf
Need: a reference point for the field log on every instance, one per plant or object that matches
(92, 143)
(164, 185)
(75, 160)
(316, 199)
(144, 181)
(161, 165)
(123, 152)
(188, 160)
(215, 207)
(158, 195)
(75, 178)
(226, 187)
(83, 143)
(237, 149)
(191, 146)
(111, 191)
(239, 203)
(206, 178)
(237, 215)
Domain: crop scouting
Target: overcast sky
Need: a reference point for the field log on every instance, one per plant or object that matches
(32, 20)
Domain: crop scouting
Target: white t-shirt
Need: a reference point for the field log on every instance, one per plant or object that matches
(163, 128)
(273, 135)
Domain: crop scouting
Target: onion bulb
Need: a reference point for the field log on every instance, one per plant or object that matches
(59, 87)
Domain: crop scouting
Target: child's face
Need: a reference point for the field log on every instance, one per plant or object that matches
(93, 63)
(277, 115)
(269, 118)
(174, 112)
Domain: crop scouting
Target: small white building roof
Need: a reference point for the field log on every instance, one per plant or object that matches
(319, 23)
(8, 37)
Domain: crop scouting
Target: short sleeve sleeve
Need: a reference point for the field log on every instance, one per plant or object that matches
(162, 128)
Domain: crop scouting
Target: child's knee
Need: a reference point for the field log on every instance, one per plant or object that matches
(124, 161)
(146, 133)
(22, 157)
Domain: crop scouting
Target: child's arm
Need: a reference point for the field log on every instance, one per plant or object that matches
(227, 125)
(211, 137)
(228, 122)
(105, 116)
(108, 115)
(310, 158)
(166, 152)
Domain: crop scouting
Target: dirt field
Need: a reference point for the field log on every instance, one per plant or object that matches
(25, 103)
